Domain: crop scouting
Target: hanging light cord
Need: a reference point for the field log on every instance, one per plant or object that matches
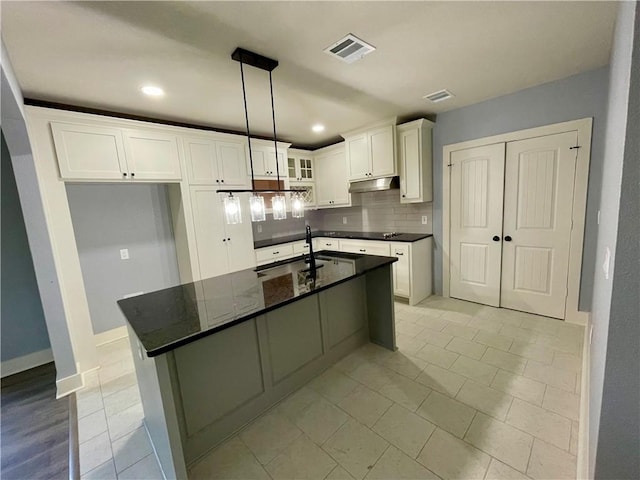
(246, 116)
(275, 143)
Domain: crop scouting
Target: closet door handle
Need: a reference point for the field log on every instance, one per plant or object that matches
(496, 238)
(507, 238)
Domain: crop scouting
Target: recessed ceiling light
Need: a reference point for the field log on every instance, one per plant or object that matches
(318, 128)
(152, 91)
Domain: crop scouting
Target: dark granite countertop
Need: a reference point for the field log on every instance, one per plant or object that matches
(400, 237)
(166, 319)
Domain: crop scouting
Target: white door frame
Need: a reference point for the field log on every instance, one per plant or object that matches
(583, 127)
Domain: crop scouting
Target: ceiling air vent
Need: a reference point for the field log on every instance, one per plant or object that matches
(439, 96)
(349, 49)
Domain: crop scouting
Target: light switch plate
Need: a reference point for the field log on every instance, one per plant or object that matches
(124, 254)
(344, 220)
(425, 219)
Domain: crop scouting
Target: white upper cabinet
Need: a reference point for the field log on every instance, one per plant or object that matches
(416, 167)
(94, 152)
(358, 156)
(264, 162)
(371, 153)
(151, 156)
(232, 164)
(300, 166)
(332, 184)
(87, 151)
(212, 162)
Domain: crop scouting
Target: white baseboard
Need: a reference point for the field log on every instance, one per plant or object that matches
(577, 317)
(69, 384)
(111, 335)
(20, 364)
(583, 434)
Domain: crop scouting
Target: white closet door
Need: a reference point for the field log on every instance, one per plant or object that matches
(477, 185)
(538, 203)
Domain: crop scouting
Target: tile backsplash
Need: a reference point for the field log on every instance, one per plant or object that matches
(375, 212)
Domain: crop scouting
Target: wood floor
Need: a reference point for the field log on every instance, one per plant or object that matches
(35, 427)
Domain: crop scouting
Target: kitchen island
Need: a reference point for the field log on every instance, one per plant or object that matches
(212, 355)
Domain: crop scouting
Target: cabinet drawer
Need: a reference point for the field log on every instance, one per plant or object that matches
(272, 254)
(300, 248)
(324, 243)
(365, 247)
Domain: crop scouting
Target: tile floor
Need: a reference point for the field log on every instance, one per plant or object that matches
(472, 392)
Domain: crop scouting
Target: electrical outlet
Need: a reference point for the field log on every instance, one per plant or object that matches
(424, 220)
(344, 220)
(124, 254)
(259, 228)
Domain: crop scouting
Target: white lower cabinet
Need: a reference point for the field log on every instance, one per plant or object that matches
(283, 251)
(366, 247)
(401, 269)
(221, 248)
(327, 243)
(412, 273)
(274, 253)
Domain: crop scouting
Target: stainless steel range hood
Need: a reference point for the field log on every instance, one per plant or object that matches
(374, 185)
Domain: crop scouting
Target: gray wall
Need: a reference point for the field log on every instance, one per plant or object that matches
(615, 354)
(108, 217)
(23, 328)
(579, 96)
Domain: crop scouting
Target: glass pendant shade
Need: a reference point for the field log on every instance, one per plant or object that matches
(232, 210)
(279, 207)
(297, 207)
(258, 212)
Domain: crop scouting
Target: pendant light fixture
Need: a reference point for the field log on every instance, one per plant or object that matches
(233, 212)
(297, 205)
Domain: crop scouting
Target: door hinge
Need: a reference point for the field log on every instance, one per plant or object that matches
(577, 146)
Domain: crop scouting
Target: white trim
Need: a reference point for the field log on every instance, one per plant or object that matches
(25, 362)
(583, 432)
(69, 384)
(583, 128)
(111, 335)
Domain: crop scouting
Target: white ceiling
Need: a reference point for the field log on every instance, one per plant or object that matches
(98, 54)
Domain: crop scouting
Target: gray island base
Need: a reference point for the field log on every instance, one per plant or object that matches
(198, 394)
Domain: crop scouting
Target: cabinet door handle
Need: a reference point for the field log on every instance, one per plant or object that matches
(124, 174)
(221, 181)
(275, 253)
(217, 181)
(507, 238)
(133, 174)
(328, 244)
(363, 250)
(496, 238)
(224, 239)
(404, 196)
(229, 239)
(399, 254)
